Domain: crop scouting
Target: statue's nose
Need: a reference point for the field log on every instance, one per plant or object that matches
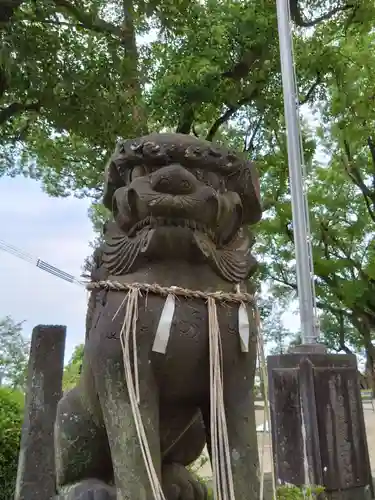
(173, 179)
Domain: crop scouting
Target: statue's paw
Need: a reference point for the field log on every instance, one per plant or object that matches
(180, 484)
(90, 489)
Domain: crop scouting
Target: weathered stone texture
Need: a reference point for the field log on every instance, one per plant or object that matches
(36, 468)
(318, 429)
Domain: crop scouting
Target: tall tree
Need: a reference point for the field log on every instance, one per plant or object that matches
(14, 354)
(73, 369)
(276, 336)
(75, 76)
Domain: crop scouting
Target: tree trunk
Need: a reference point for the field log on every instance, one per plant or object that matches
(131, 70)
(365, 326)
(8, 9)
(370, 364)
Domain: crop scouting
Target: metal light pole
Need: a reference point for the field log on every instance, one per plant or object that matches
(301, 229)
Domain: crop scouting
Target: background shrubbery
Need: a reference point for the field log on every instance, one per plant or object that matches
(11, 415)
(291, 493)
(294, 493)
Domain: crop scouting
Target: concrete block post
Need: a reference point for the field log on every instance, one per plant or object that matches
(36, 466)
(318, 428)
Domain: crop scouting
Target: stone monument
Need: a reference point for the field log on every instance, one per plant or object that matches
(36, 465)
(170, 273)
(318, 428)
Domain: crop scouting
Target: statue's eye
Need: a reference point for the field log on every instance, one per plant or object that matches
(213, 180)
(199, 174)
(209, 178)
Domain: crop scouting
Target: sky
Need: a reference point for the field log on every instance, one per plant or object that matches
(56, 230)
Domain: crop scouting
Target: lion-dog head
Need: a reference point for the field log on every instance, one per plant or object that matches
(174, 196)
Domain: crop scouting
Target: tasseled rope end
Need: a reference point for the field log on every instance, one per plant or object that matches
(221, 463)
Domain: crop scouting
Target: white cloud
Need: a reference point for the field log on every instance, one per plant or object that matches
(57, 231)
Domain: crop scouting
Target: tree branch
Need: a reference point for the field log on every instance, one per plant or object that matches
(4, 84)
(54, 23)
(232, 110)
(17, 108)
(371, 145)
(195, 132)
(339, 314)
(342, 344)
(347, 254)
(224, 118)
(356, 177)
(283, 281)
(249, 60)
(250, 146)
(186, 120)
(297, 16)
(131, 69)
(270, 202)
(88, 20)
(8, 9)
(312, 89)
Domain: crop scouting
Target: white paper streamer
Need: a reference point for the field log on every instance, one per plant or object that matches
(243, 327)
(164, 327)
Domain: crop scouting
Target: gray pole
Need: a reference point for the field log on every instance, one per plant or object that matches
(305, 280)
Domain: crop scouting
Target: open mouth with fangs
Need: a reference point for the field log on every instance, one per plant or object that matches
(155, 222)
(232, 259)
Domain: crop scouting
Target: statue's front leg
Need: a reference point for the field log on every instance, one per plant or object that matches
(83, 461)
(239, 371)
(183, 438)
(243, 446)
(180, 484)
(131, 478)
(130, 474)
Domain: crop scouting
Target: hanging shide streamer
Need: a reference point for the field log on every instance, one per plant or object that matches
(164, 327)
(243, 327)
(243, 322)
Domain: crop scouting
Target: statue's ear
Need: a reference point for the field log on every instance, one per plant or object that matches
(246, 184)
(112, 181)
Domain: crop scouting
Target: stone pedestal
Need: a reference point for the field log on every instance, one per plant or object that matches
(318, 428)
(36, 466)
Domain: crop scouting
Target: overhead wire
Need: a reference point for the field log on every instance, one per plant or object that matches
(41, 264)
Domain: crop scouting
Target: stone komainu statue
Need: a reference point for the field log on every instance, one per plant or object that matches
(181, 209)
